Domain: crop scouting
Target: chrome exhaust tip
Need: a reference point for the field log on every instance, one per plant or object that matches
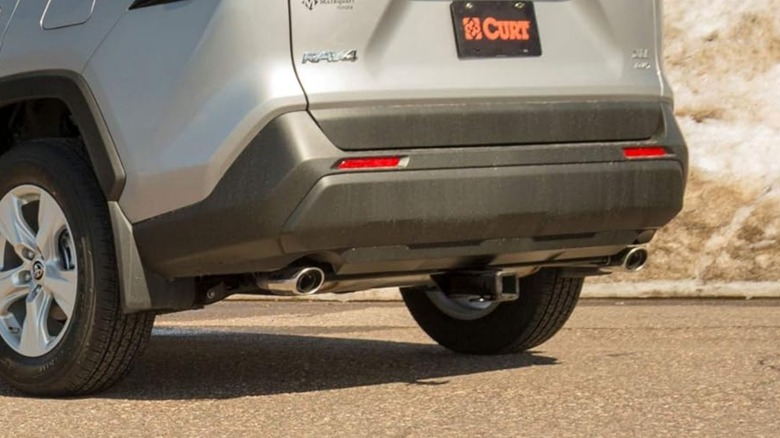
(293, 282)
(632, 259)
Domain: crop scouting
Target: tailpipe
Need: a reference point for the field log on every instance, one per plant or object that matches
(293, 282)
(631, 260)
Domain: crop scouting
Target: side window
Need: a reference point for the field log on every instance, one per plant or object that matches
(63, 13)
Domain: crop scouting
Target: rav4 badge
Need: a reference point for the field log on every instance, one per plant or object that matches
(330, 56)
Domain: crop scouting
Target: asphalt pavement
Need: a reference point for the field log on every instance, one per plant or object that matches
(633, 368)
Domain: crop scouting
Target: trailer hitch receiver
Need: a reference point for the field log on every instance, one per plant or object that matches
(483, 286)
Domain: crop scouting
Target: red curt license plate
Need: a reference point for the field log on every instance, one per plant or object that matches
(485, 29)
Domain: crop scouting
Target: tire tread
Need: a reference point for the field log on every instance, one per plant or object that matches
(546, 302)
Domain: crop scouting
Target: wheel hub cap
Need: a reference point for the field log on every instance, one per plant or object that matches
(39, 270)
(463, 309)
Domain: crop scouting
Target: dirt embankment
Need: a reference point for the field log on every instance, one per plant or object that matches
(723, 60)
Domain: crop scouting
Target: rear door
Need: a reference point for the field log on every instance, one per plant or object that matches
(6, 12)
(389, 73)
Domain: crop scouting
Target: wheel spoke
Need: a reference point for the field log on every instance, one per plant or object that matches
(13, 226)
(63, 287)
(10, 289)
(3, 243)
(51, 222)
(35, 334)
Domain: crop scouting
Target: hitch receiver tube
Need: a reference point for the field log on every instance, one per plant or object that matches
(490, 285)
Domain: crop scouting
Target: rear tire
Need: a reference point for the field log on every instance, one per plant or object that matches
(82, 343)
(546, 301)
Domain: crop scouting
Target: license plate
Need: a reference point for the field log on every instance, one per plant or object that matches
(487, 29)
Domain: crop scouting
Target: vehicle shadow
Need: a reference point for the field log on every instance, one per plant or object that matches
(194, 364)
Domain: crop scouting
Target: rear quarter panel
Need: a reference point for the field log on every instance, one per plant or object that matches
(184, 87)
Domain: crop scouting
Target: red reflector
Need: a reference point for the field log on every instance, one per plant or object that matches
(369, 163)
(648, 152)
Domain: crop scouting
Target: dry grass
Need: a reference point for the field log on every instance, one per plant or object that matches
(728, 58)
(752, 254)
(749, 48)
(700, 114)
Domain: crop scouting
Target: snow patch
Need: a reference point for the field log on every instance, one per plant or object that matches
(749, 151)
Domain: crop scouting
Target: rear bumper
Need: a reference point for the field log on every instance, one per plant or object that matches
(450, 208)
(474, 205)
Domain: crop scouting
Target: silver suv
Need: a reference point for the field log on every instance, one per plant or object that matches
(161, 155)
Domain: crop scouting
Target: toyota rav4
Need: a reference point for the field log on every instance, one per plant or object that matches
(161, 155)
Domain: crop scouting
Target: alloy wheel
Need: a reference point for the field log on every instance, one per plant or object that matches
(461, 308)
(38, 271)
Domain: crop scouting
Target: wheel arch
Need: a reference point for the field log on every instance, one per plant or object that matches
(72, 90)
(65, 92)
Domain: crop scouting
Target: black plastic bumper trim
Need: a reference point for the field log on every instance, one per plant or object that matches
(480, 204)
(496, 123)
